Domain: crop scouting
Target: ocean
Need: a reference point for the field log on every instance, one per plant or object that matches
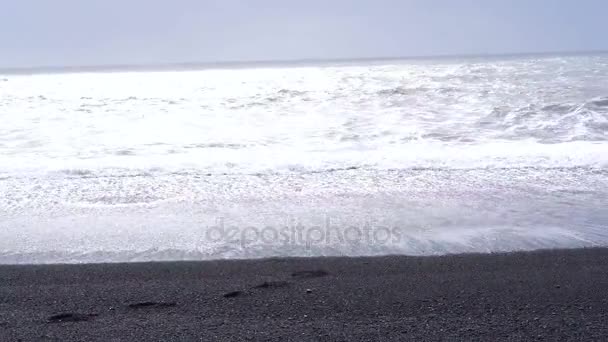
(415, 157)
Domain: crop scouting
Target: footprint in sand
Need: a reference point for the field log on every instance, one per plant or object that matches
(272, 285)
(71, 317)
(151, 305)
(233, 294)
(310, 274)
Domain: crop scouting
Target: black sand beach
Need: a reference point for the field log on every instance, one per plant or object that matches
(545, 295)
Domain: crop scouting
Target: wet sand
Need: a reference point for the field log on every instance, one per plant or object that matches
(544, 295)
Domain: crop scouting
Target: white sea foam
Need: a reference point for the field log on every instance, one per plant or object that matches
(104, 152)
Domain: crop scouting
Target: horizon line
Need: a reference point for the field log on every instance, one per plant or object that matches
(198, 65)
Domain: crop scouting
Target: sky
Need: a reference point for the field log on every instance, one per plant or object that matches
(104, 32)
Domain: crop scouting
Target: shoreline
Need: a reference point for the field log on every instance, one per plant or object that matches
(546, 295)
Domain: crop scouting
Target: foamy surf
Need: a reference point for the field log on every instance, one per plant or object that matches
(440, 157)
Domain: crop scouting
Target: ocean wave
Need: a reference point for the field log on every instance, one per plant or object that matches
(399, 91)
(415, 155)
(601, 102)
(216, 145)
(551, 123)
(291, 92)
(382, 116)
(488, 154)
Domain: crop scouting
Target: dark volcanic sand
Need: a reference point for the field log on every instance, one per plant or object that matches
(548, 295)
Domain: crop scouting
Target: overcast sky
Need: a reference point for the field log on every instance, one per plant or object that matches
(94, 32)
